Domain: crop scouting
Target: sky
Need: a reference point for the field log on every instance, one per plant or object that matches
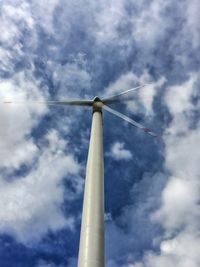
(62, 49)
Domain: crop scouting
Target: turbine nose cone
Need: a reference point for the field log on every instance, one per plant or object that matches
(96, 99)
(97, 104)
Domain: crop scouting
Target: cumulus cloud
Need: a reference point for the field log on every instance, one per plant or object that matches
(118, 152)
(179, 100)
(18, 119)
(30, 205)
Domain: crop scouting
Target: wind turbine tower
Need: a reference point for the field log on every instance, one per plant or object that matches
(91, 247)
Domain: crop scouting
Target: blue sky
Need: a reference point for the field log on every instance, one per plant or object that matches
(59, 49)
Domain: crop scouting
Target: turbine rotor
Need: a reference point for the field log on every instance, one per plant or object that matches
(97, 104)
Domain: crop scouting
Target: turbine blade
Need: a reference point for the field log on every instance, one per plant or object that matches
(122, 96)
(73, 102)
(131, 121)
(54, 103)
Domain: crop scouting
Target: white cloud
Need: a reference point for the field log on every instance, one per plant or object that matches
(124, 82)
(71, 78)
(17, 120)
(16, 21)
(181, 251)
(180, 198)
(178, 99)
(108, 19)
(182, 156)
(118, 152)
(44, 14)
(179, 204)
(145, 27)
(151, 23)
(31, 205)
(191, 31)
(143, 97)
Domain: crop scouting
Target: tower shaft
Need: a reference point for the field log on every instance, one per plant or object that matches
(91, 248)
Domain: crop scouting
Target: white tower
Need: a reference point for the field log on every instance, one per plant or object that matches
(91, 248)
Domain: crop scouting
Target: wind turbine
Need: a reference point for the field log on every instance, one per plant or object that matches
(91, 246)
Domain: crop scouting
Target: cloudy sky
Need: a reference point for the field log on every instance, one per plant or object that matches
(59, 49)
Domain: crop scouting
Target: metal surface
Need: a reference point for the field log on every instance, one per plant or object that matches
(53, 103)
(91, 248)
(131, 121)
(124, 96)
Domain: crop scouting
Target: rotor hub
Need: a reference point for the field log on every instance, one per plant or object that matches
(97, 104)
